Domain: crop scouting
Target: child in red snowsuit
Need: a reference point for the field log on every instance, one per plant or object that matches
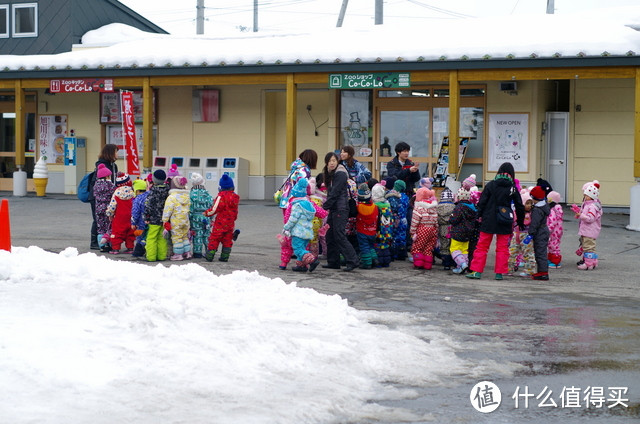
(119, 212)
(225, 208)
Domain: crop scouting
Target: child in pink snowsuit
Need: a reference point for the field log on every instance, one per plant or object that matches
(590, 215)
(554, 222)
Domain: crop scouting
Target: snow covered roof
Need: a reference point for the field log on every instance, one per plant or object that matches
(477, 39)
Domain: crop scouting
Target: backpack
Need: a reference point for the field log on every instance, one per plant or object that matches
(85, 188)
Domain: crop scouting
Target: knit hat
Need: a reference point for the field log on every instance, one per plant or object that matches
(463, 194)
(312, 185)
(537, 193)
(298, 190)
(196, 179)
(103, 171)
(475, 195)
(139, 185)
(469, 182)
(545, 186)
(364, 194)
(554, 197)
(173, 171)
(122, 179)
(424, 194)
(426, 182)
(592, 189)
(389, 182)
(400, 186)
(377, 193)
(159, 176)
(179, 182)
(149, 178)
(524, 195)
(226, 183)
(446, 195)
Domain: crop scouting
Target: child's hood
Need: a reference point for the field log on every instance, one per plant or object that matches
(305, 204)
(181, 195)
(124, 193)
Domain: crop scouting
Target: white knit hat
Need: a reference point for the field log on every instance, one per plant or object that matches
(592, 189)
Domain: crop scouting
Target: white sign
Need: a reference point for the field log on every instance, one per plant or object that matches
(509, 140)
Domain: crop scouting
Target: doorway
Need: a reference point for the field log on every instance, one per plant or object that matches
(374, 121)
(557, 141)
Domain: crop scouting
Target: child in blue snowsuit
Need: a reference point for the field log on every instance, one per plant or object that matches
(201, 200)
(138, 225)
(399, 202)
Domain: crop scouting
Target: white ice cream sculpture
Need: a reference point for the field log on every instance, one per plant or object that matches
(40, 176)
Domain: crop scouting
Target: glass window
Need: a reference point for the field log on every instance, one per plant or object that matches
(355, 121)
(4, 21)
(404, 93)
(25, 20)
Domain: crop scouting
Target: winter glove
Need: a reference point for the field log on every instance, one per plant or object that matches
(286, 233)
(322, 231)
(575, 208)
(167, 226)
(527, 239)
(137, 233)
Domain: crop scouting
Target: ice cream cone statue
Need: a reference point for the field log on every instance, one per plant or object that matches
(40, 176)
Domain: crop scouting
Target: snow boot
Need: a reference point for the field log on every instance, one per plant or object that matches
(418, 260)
(176, 257)
(311, 261)
(540, 276)
(590, 261)
(475, 275)
(300, 267)
(235, 235)
(427, 262)
(210, 255)
(224, 255)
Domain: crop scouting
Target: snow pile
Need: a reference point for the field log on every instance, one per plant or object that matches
(87, 339)
(115, 33)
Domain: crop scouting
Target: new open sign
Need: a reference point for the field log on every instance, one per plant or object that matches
(373, 80)
(81, 85)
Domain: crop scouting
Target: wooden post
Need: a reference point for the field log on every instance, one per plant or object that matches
(454, 117)
(292, 103)
(20, 123)
(147, 124)
(636, 132)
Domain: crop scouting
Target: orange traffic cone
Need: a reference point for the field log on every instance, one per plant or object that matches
(5, 226)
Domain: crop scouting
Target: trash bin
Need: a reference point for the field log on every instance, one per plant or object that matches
(193, 165)
(238, 170)
(159, 162)
(211, 174)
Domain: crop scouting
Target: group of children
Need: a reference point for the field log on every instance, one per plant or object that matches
(158, 218)
(389, 224)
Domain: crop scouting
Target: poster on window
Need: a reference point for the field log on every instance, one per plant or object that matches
(509, 140)
(52, 130)
(111, 108)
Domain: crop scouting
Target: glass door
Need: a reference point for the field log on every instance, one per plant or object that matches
(409, 126)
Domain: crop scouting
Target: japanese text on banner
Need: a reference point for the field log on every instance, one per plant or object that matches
(129, 131)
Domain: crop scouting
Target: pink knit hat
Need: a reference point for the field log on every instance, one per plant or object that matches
(173, 171)
(424, 194)
(469, 182)
(102, 171)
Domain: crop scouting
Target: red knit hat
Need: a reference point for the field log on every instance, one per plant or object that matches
(538, 193)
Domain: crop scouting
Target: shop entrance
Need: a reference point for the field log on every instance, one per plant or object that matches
(7, 138)
(374, 121)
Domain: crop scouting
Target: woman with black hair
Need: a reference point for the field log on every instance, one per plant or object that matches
(496, 199)
(357, 171)
(108, 157)
(335, 179)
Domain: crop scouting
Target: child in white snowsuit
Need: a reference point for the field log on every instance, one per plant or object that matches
(175, 218)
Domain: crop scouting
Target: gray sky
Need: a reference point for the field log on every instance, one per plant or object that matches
(301, 15)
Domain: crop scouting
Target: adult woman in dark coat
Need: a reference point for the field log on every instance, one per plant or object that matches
(499, 192)
(337, 203)
(108, 157)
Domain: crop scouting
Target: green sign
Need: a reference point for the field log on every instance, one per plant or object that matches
(377, 80)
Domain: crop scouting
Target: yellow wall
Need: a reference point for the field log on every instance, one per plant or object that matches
(83, 116)
(602, 139)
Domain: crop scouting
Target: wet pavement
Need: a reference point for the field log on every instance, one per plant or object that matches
(574, 339)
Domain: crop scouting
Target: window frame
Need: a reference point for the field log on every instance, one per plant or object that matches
(5, 7)
(15, 8)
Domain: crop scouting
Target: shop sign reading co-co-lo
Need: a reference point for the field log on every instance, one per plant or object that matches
(370, 80)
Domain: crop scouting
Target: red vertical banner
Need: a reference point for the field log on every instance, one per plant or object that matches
(129, 132)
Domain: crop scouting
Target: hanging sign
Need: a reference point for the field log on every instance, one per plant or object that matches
(81, 85)
(129, 131)
(367, 81)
